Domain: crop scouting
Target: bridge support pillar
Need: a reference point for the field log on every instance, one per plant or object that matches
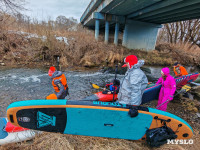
(106, 32)
(97, 29)
(125, 35)
(140, 35)
(116, 34)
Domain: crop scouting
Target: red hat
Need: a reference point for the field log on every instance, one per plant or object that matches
(52, 69)
(131, 59)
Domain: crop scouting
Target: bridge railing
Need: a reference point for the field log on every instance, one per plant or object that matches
(90, 6)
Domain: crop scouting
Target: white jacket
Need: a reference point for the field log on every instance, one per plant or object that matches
(133, 85)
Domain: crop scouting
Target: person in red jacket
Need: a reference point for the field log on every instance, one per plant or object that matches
(179, 70)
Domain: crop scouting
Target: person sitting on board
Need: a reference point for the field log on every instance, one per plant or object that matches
(109, 88)
(179, 70)
(59, 83)
(167, 90)
(134, 82)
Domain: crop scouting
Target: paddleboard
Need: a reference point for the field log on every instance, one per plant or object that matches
(93, 118)
(197, 80)
(15, 134)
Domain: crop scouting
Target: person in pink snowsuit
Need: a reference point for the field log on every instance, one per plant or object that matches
(167, 90)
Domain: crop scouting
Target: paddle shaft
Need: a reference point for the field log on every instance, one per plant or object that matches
(194, 83)
(116, 67)
(169, 100)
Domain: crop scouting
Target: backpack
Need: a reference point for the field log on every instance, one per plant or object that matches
(159, 136)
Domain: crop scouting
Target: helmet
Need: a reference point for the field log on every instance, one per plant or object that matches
(52, 69)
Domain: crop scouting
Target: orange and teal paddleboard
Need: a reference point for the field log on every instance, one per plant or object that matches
(93, 118)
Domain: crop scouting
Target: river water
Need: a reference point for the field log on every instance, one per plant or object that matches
(31, 84)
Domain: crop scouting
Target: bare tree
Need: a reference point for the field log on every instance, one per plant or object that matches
(12, 5)
(182, 32)
(63, 23)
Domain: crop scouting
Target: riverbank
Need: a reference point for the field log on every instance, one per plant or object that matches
(81, 50)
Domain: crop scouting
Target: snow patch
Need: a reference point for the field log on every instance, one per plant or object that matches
(60, 38)
(43, 38)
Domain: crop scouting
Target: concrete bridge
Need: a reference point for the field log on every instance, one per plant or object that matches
(139, 20)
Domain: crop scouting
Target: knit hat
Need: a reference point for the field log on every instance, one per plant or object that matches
(131, 60)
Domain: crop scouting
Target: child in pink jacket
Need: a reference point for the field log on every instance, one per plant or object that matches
(167, 90)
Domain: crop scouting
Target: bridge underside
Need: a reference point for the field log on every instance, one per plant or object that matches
(139, 19)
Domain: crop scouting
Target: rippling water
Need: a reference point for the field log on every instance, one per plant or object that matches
(26, 84)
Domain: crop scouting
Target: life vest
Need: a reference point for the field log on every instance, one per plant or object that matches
(63, 80)
(180, 71)
(111, 87)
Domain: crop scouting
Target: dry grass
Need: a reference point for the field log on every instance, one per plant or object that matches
(181, 52)
(82, 50)
(56, 141)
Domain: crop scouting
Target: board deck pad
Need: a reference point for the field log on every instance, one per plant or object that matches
(99, 123)
(51, 119)
(92, 118)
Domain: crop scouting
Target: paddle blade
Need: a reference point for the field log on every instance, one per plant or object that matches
(95, 86)
(186, 88)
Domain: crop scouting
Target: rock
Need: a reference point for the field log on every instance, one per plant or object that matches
(190, 96)
(195, 110)
(198, 114)
(2, 64)
(88, 64)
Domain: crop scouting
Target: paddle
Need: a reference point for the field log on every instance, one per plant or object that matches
(194, 83)
(185, 88)
(96, 86)
(116, 68)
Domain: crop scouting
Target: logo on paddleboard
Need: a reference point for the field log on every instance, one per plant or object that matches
(45, 120)
(24, 119)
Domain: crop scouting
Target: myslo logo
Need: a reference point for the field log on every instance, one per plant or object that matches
(45, 120)
(180, 141)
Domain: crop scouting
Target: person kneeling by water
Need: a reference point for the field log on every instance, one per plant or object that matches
(112, 87)
(59, 83)
(179, 70)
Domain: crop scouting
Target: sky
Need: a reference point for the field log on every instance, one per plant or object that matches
(50, 9)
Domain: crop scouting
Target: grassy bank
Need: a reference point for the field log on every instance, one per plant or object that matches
(40, 45)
